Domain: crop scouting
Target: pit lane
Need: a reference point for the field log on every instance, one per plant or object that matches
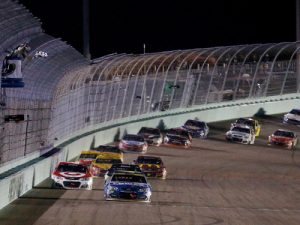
(214, 182)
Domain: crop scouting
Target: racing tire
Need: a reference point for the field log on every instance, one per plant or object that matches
(54, 185)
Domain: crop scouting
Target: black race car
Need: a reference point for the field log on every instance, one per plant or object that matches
(153, 136)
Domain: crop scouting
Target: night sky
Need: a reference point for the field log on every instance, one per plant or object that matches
(123, 26)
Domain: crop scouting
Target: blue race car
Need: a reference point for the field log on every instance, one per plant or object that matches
(127, 186)
(196, 128)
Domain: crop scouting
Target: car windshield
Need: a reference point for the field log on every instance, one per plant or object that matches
(295, 111)
(108, 161)
(88, 156)
(133, 138)
(246, 122)
(283, 133)
(104, 148)
(146, 130)
(142, 160)
(72, 168)
(195, 123)
(129, 178)
(241, 129)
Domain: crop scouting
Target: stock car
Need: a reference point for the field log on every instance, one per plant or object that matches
(125, 168)
(70, 175)
(113, 150)
(254, 124)
(283, 137)
(87, 157)
(153, 136)
(103, 162)
(241, 133)
(177, 137)
(196, 128)
(132, 142)
(181, 132)
(293, 117)
(151, 166)
(128, 186)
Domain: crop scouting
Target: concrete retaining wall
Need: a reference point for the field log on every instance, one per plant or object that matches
(17, 184)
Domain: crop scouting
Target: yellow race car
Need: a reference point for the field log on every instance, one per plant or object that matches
(103, 162)
(114, 150)
(254, 124)
(86, 157)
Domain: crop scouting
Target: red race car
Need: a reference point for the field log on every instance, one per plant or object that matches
(151, 166)
(134, 143)
(283, 137)
(70, 175)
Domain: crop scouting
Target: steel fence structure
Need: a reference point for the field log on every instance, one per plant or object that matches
(119, 86)
(64, 93)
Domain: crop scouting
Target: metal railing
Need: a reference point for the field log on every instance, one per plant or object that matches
(130, 85)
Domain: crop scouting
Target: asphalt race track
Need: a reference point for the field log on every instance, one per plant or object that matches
(214, 182)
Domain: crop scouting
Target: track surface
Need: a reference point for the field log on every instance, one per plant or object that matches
(215, 182)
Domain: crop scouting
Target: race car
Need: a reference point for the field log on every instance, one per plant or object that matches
(283, 137)
(127, 186)
(70, 175)
(293, 117)
(152, 166)
(153, 136)
(114, 150)
(133, 142)
(254, 124)
(87, 157)
(196, 128)
(180, 132)
(177, 137)
(125, 168)
(241, 133)
(103, 162)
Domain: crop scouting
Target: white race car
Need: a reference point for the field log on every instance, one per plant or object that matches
(293, 117)
(241, 134)
(70, 175)
(133, 143)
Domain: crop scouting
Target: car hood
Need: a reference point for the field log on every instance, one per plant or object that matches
(149, 166)
(176, 137)
(293, 116)
(127, 185)
(70, 174)
(281, 139)
(238, 133)
(103, 166)
(110, 155)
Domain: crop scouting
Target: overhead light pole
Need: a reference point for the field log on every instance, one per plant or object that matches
(86, 28)
(298, 43)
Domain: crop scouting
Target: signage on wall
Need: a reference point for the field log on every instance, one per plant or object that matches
(14, 118)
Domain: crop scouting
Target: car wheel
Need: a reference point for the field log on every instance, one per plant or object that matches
(54, 185)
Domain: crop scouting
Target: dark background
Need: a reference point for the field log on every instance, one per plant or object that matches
(123, 26)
